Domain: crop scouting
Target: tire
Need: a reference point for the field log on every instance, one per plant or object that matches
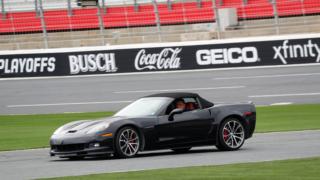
(231, 135)
(127, 142)
(181, 150)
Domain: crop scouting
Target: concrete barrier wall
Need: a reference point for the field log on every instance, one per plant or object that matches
(245, 52)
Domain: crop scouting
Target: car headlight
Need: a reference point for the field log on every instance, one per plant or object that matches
(97, 129)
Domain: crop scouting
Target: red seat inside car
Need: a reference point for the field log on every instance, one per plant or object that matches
(191, 106)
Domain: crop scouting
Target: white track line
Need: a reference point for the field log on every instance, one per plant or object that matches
(268, 76)
(186, 89)
(284, 95)
(66, 104)
(281, 103)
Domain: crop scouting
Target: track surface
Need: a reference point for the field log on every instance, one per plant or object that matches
(82, 94)
(29, 164)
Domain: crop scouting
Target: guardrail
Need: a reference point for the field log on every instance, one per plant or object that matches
(246, 52)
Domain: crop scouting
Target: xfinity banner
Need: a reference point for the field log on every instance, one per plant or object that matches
(162, 58)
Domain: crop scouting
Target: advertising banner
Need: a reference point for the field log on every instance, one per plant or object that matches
(162, 58)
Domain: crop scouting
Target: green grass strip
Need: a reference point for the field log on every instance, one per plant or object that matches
(306, 169)
(34, 131)
(288, 118)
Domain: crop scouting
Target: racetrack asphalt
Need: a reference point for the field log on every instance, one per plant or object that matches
(263, 86)
(30, 164)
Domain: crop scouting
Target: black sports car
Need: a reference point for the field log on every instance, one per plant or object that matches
(177, 121)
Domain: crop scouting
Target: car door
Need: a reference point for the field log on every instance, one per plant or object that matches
(188, 127)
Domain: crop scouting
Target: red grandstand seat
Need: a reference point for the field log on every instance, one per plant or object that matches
(121, 16)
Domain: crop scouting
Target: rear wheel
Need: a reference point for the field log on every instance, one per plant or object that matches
(181, 150)
(231, 135)
(127, 142)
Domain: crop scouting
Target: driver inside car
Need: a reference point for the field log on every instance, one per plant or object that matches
(180, 104)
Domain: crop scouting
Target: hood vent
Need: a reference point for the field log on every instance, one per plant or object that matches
(72, 131)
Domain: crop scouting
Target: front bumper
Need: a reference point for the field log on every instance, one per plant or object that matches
(81, 148)
(84, 152)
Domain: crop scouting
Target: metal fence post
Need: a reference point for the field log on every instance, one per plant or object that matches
(3, 11)
(43, 25)
(303, 11)
(199, 5)
(101, 24)
(276, 15)
(156, 12)
(104, 6)
(184, 16)
(216, 14)
(169, 4)
(36, 7)
(136, 5)
(69, 8)
(245, 2)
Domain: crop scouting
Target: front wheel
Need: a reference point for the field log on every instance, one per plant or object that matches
(231, 135)
(127, 142)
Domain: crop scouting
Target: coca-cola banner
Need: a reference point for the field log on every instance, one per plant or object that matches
(166, 58)
(185, 56)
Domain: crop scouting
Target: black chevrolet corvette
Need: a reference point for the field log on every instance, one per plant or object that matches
(177, 121)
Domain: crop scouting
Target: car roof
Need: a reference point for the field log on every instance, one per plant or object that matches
(176, 95)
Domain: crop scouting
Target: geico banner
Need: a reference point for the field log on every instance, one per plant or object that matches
(162, 58)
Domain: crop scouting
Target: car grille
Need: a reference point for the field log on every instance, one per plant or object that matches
(68, 147)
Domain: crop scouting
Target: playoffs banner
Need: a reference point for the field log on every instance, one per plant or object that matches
(146, 59)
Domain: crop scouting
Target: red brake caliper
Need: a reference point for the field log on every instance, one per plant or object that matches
(132, 139)
(225, 134)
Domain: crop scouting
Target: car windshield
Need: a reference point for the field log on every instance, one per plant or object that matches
(148, 106)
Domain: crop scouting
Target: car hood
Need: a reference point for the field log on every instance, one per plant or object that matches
(86, 126)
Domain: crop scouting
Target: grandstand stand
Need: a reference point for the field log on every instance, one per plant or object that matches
(24, 20)
(123, 22)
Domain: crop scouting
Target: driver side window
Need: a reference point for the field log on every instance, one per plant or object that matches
(187, 104)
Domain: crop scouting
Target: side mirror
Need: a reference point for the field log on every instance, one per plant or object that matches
(174, 112)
